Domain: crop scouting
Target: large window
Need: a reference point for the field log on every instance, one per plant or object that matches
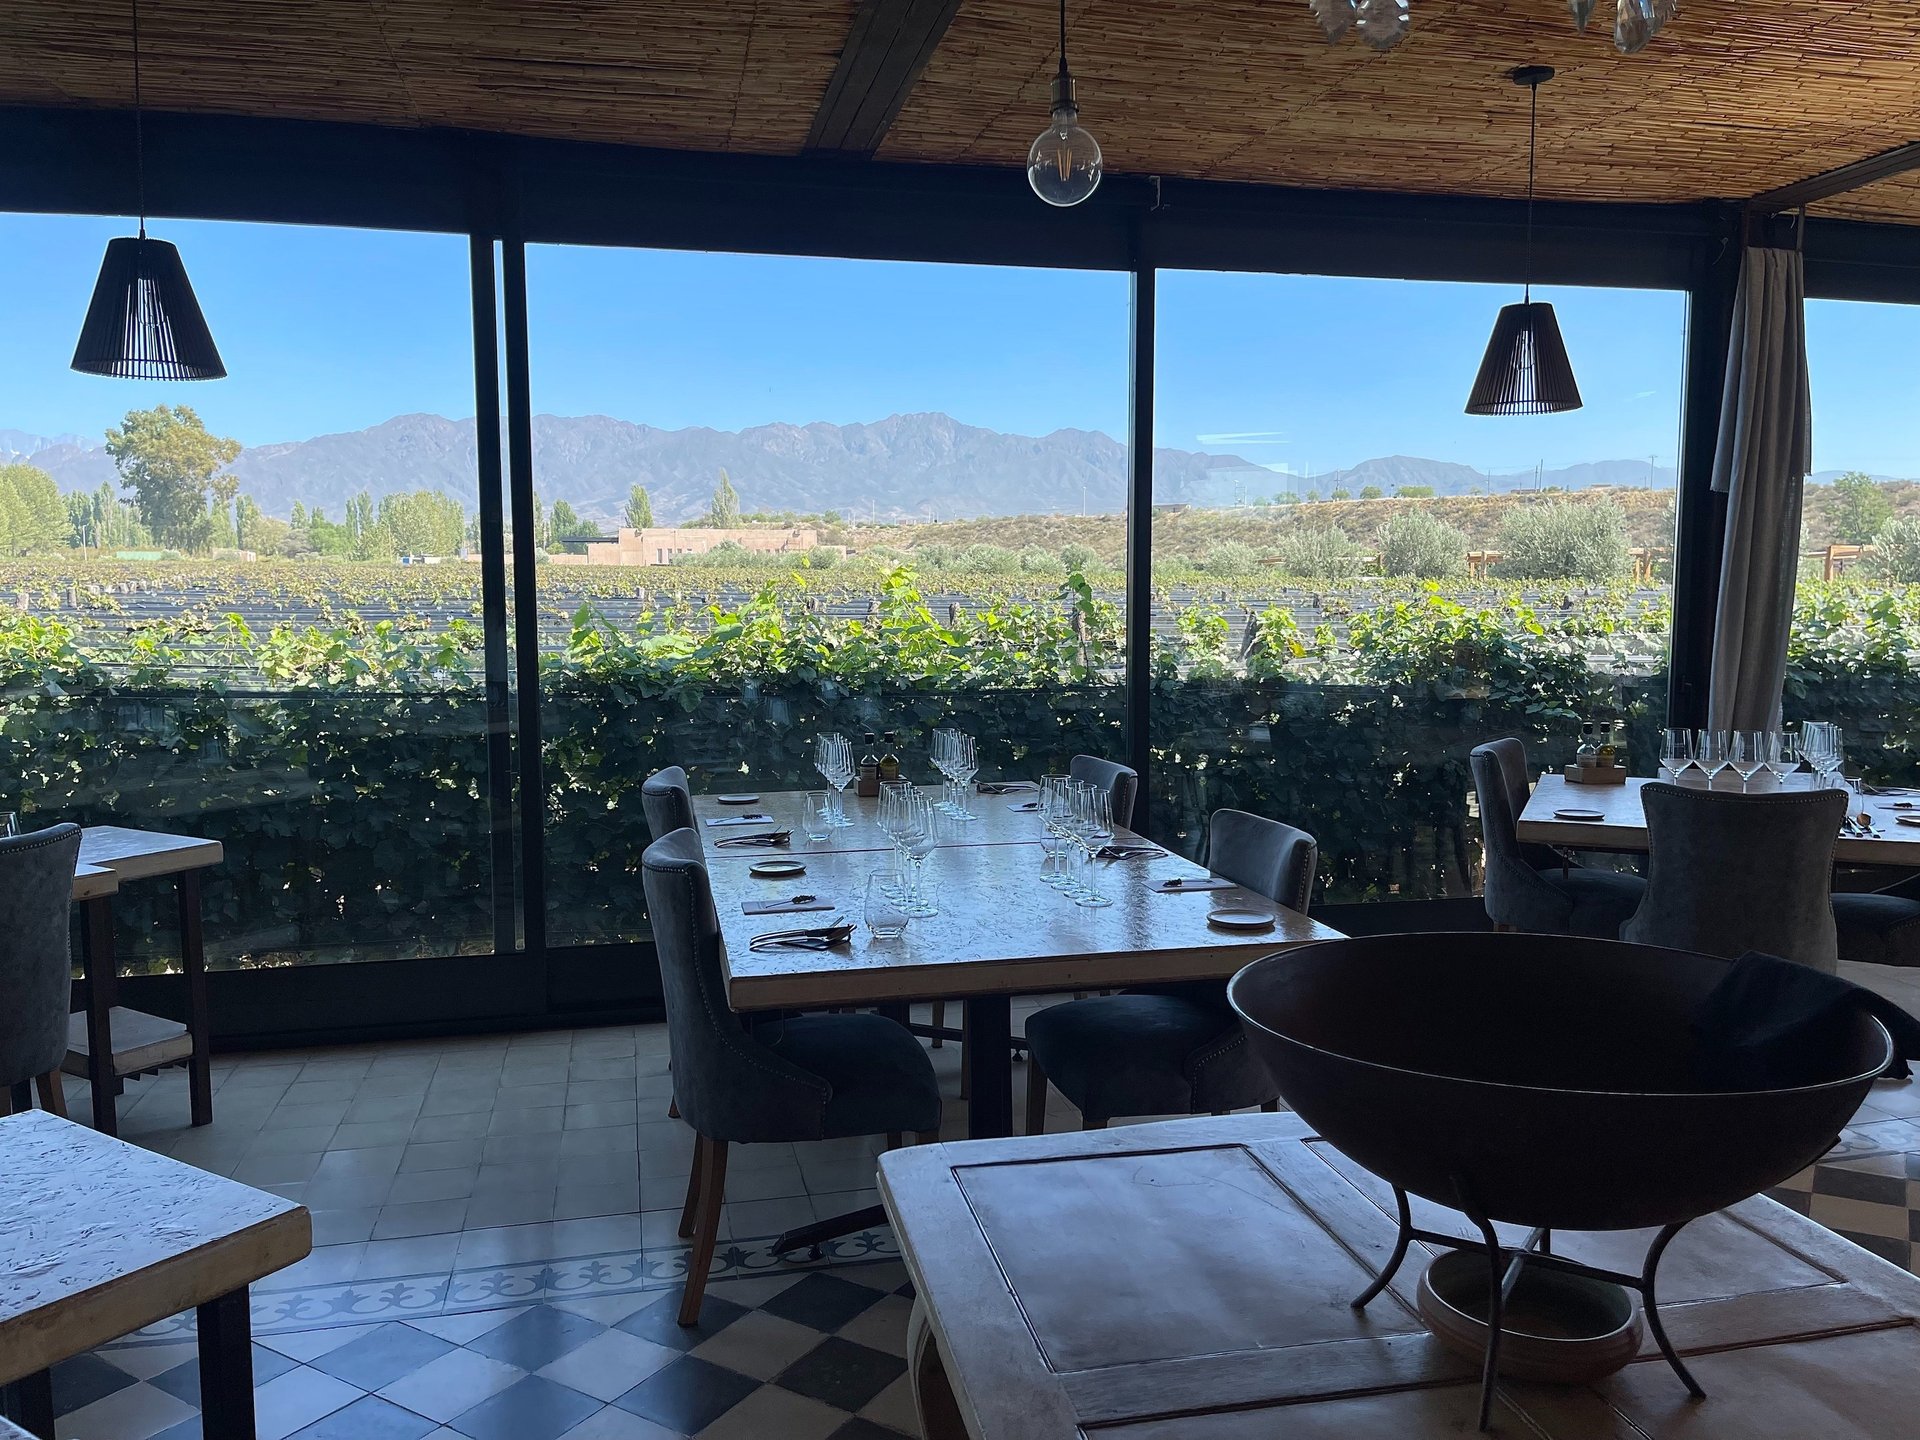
(247, 609)
(781, 496)
(1355, 582)
(1857, 608)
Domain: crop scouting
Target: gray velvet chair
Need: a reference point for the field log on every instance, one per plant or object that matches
(1529, 887)
(668, 802)
(786, 1079)
(1733, 872)
(1877, 928)
(1121, 782)
(36, 902)
(1171, 1050)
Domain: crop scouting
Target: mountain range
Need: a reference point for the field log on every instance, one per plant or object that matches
(925, 466)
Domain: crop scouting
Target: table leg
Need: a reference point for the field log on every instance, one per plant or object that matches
(193, 957)
(28, 1401)
(226, 1367)
(989, 1059)
(97, 963)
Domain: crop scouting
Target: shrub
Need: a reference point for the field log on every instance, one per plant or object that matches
(990, 559)
(1370, 492)
(1079, 557)
(1565, 540)
(1038, 560)
(1231, 557)
(1422, 546)
(1339, 494)
(1415, 492)
(1897, 550)
(1318, 554)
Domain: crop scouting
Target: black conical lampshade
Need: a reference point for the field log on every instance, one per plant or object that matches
(143, 322)
(1525, 370)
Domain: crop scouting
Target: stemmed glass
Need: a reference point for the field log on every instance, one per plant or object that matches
(1093, 826)
(940, 750)
(893, 818)
(833, 758)
(1712, 752)
(1676, 753)
(1053, 839)
(1747, 753)
(965, 763)
(919, 838)
(1825, 752)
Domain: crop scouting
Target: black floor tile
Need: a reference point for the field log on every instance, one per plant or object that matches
(1898, 1251)
(858, 1429)
(823, 1301)
(183, 1380)
(660, 1321)
(537, 1338)
(529, 1409)
(368, 1418)
(1860, 1185)
(83, 1380)
(382, 1355)
(839, 1373)
(687, 1395)
(1799, 1200)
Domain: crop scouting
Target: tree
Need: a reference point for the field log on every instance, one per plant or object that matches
(725, 511)
(424, 522)
(569, 524)
(1422, 546)
(259, 531)
(172, 465)
(1565, 540)
(639, 509)
(1079, 558)
(32, 514)
(1338, 494)
(1860, 508)
(1415, 492)
(1231, 558)
(1370, 492)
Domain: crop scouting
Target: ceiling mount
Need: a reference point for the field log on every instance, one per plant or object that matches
(1532, 76)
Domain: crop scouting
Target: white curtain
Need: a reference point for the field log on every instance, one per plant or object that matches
(1761, 463)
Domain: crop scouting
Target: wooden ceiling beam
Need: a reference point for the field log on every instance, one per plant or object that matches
(888, 45)
(1839, 180)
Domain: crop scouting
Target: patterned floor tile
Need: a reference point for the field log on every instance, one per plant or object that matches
(688, 1395)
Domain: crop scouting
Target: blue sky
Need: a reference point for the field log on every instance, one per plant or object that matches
(327, 330)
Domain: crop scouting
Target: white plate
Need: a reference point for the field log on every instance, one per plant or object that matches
(1229, 918)
(776, 869)
(1579, 814)
(1906, 819)
(738, 799)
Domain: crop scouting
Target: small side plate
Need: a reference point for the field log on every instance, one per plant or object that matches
(1906, 819)
(1588, 815)
(737, 799)
(776, 869)
(1228, 918)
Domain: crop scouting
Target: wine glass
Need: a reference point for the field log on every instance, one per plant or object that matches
(1052, 836)
(966, 765)
(1747, 754)
(893, 817)
(1826, 752)
(1096, 808)
(1676, 753)
(841, 773)
(919, 838)
(1712, 752)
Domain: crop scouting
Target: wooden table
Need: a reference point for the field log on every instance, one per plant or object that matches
(1624, 823)
(1000, 820)
(1000, 933)
(133, 1041)
(98, 1238)
(1189, 1281)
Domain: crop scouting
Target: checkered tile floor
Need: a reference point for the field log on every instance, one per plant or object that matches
(800, 1355)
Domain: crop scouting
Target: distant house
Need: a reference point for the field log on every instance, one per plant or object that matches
(664, 545)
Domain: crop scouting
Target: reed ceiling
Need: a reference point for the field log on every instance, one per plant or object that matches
(1730, 100)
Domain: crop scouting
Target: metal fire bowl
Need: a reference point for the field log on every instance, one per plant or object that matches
(1543, 1080)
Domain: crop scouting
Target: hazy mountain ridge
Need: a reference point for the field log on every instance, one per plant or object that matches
(924, 466)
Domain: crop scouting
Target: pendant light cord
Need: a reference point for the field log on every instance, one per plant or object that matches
(1063, 38)
(139, 128)
(1533, 131)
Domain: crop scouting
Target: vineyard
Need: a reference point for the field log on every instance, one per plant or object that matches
(327, 722)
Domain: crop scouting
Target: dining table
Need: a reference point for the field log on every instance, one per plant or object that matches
(1001, 930)
(108, 1042)
(1612, 817)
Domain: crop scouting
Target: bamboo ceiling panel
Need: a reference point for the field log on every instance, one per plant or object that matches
(1731, 100)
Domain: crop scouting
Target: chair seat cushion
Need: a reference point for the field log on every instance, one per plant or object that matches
(1878, 929)
(882, 1077)
(1148, 1054)
(1602, 899)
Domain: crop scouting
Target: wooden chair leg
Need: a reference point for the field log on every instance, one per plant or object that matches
(713, 1184)
(1036, 1096)
(691, 1208)
(939, 1019)
(53, 1096)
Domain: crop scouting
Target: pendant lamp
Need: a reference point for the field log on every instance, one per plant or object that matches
(143, 322)
(1525, 370)
(1064, 163)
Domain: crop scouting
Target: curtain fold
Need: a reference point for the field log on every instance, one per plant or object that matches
(1761, 461)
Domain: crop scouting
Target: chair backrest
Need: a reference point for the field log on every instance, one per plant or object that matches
(1732, 872)
(667, 801)
(728, 1086)
(1267, 856)
(36, 901)
(1502, 784)
(1121, 782)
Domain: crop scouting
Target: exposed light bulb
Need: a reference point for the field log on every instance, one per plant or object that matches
(1063, 165)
